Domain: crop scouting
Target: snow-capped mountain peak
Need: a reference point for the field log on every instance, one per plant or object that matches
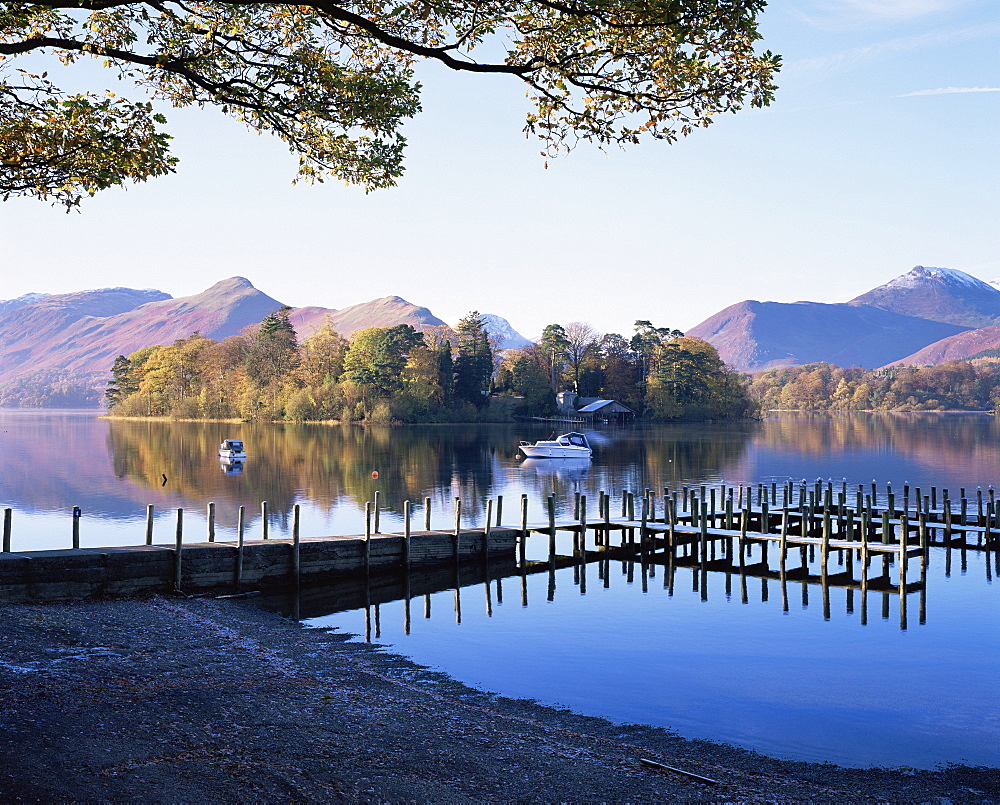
(504, 336)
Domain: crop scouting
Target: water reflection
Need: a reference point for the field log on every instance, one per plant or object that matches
(114, 469)
(735, 646)
(798, 574)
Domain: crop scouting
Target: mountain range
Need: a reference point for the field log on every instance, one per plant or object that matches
(926, 316)
(57, 350)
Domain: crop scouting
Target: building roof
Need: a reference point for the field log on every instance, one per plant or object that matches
(599, 404)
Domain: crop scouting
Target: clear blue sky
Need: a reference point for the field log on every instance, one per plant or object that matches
(880, 153)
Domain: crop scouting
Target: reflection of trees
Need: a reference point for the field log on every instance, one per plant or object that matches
(673, 452)
(322, 464)
(936, 439)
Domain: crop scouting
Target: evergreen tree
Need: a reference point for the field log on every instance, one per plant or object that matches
(474, 361)
(555, 343)
(273, 350)
(122, 384)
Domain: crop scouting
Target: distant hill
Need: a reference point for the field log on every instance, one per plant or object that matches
(10, 305)
(938, 294)
(753, 336)
(955, 348)
(886, 325)
(57, 350)
(385, 312)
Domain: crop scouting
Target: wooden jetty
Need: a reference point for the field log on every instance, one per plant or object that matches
(708, 528)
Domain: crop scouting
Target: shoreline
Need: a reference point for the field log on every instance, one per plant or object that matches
(216, 700)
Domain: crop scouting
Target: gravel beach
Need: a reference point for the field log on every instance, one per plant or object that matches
(209, 700)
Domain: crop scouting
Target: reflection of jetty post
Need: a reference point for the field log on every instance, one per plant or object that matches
(818, 525)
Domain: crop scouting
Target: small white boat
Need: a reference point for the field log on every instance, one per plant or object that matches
(569, 445)
(232, 450)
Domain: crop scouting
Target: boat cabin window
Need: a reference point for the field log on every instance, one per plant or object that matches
(577, 439)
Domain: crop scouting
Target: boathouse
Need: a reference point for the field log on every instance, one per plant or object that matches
(607, 411)
(594, 409)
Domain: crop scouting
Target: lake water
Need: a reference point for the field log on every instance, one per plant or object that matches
(800, 672)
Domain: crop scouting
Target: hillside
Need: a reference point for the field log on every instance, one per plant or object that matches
(385, 312)
(954, 348)
(752, 336)
(889, 324)
(937, 294)
(57, 350)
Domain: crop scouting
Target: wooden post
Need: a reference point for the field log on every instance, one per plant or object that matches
(377, 529)
(406, 534)
(427, 514)
(583, 529)
(524, 527)
(240, 523)
(458, 528)
(499, 509)
(178, 546)
(864, 542)
(644, 515)
(7, 513)
(486, 531)
(551, 507)
(923, 531)
(296, 554)
(263, 519)
(824, 559)
(77, 513)
(783, 545)
(368, 537)
(211, 522)
(149, 524)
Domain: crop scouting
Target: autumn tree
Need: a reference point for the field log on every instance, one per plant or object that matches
(376, 356)
(323, 355)
(621, 371)
(582, 342)
(525, 373)
(335, 80)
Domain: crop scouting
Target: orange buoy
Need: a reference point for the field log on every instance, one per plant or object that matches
(375, 474)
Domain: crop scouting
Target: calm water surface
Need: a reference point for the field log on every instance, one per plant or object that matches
(710, 656)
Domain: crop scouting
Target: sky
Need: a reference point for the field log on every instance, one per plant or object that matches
(878, 154)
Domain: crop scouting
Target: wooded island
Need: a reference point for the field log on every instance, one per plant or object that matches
(400, 374)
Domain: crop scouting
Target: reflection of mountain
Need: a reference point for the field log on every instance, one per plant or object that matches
(54, 461)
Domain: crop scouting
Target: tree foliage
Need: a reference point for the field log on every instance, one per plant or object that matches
(956, 385)
(335, 80)
(658, 373)
(473, 361)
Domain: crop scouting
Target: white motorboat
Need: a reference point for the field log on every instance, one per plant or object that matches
(569, 445)
(232, 450)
